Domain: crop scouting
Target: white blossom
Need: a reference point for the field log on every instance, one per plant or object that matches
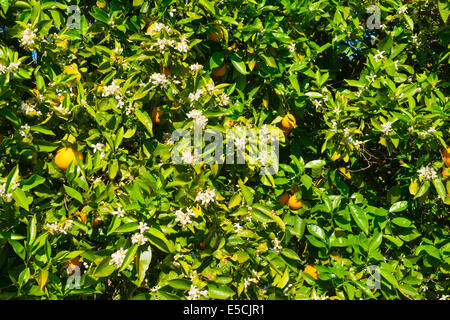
(28, 37)
(206, 197)
(138, 238)
(118, 257)
(427, 173)
(386, 127)
(195, 293)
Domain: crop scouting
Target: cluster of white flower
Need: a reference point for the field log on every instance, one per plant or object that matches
(264, 158)
(427, 173)
(3, 194)
(425, 134)
(119, 212)
(200, 121)
(159, 79)
(184, 218)
(112, 90)
(237, 227)
(60, 227)
(24, 131)
(276, 245)
(239, 137)
(402, 9)
(188, 158)
(209, 195)
(27, 108)
(224, 99)
(118, 257)
(372, 77)
(161, 44)
(28, 37)
(182, 46)
(196, 67)
(292, 47)
(158, 27)
(248, 281)
(267, 134)
(139, 238)
(61, 109)
(143, 227)
(386, 127)
(349, 138)
(98, 147)
(176, 258)
(195, 293)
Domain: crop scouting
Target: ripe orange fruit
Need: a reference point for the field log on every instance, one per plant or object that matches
(311, 271)
(215, 36)
(445, 173)
(81, 215)
(294, 204)
(288, 123)
(446, 156)
(284, 199)
(65, 156)
(219, 72)
(156, 114)
(147, 31)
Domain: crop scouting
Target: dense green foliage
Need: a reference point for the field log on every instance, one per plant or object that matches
(366, 156)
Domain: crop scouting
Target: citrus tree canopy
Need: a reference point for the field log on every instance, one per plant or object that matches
(96, 202)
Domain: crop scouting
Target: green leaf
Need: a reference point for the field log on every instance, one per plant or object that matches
(74, 194)
(128, 227)
(42, 129)
(317, 231)
(159, 240)
(399, 206)
(248, 195)
(216, 60)
(360, 217)
(145, 119)
(315, 164)
(18, 248)
(129, 256)
(440, 188)
(291, 254)
(31, 182)
(402, 222)
(238, 63)
(31, 231)
(208, 6)
(21, 199)
(220, 291)
(181, 284)
(5, 5)
(444, 9)
(143, 262)
(104, 269)
(422, 190)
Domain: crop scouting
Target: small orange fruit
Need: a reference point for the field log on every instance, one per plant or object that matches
(445, 173)
(446, 156)
(284, 199)
(156, 114)
(81, 215)
(65, 156)
(294, 204)
(215, 36)
(219, 72)
(288, 123)
(311, 271)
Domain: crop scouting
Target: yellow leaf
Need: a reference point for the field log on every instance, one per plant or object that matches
(345, 173)
(266, 99)
(346, 157)
(383, 141)
(413, 187)
(251, 64)
(43, 278)
(197, 211)
(336, 155)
